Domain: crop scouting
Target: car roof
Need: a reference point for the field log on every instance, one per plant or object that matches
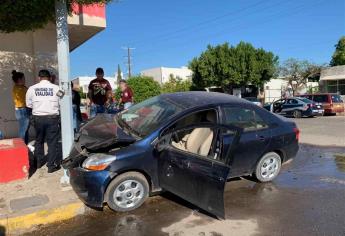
(200, 99)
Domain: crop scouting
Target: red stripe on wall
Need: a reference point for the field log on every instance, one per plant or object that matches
(90, 10)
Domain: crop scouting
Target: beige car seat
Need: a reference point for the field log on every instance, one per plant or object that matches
(199, 141)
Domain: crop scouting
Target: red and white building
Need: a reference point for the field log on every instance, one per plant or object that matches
(29, 52)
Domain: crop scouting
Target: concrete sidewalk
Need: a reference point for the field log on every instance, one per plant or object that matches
(38, 200)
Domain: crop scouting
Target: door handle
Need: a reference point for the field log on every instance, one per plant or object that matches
(261, 138)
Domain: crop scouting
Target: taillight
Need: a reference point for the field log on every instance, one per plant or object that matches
(297, 132)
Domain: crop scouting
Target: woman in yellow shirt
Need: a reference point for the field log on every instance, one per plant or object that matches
(22, 113)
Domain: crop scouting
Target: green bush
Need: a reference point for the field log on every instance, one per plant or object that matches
(176, 84)
(143, 88)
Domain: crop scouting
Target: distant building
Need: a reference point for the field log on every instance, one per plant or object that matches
(82, 82)
(279, 88)
(332, 80)
(162, 74)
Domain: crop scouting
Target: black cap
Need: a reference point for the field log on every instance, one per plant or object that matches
(123, 81)
(44, 74)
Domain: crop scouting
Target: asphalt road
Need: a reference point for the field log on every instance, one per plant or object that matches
(325, 130)
(306, 199)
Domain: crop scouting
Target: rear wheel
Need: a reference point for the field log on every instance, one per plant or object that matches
(268, 167)
(297, 114)
(127, 192)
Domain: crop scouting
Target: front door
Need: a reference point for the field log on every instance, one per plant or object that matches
(193, 165)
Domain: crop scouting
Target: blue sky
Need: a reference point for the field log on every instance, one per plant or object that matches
(171, 33)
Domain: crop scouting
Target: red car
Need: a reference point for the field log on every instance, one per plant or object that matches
(331, 102)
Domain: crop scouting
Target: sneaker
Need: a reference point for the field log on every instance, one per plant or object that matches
(53, 169)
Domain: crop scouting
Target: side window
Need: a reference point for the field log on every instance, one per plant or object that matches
(200, 141)
(240, 117)
(260, 123)
(244, 118)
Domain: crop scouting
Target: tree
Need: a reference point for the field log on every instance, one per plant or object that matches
(227, 66)
(24, 15)
(338, 57)
(297, 73)
(176, 84)
(119, 74)
(143, 87)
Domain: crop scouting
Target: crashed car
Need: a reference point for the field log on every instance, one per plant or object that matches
(296, 107)
(189, 144)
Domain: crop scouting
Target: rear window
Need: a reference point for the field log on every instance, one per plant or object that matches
(306, 100)
(336, 98)
(321, 98)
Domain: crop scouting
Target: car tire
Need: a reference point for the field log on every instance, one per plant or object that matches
(268, 167)
(127, 192)
(297, 114)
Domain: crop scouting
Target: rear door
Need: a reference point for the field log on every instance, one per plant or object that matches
(254, 140)
(197, 174)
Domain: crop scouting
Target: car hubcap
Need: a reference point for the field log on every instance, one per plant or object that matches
(128, 193)
(269, 167)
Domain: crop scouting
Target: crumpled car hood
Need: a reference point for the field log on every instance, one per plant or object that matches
(100, 134)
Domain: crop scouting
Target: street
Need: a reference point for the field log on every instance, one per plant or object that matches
(306, 198)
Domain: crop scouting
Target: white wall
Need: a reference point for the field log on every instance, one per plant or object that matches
(183, 72)
(26, 52)
(162, 74)
(155, 73)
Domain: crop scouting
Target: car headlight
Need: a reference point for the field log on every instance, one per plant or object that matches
(98, 161)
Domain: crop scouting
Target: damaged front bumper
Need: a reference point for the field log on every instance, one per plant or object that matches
(90, 186)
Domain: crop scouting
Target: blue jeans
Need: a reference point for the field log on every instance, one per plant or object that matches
(22, 115)
(96, 109)
(127, 105)
(76, 122)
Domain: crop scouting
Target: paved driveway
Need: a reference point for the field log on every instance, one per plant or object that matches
(325, 130)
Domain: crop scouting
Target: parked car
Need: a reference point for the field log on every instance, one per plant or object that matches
(331, 102)
(296, 107)
(189, 144)
(254, 100)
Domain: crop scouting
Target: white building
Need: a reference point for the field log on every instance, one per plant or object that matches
(162, 74)
(332, 79)
(83, 82)
(278, 88)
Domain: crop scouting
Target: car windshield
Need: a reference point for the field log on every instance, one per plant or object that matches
(145, 117)
(306, 100)
(336, 98)
(320, 98)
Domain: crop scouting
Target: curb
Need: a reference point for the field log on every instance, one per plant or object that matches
(42, 217)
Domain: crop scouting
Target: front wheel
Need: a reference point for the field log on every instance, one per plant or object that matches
(268, 167)
(127, 192)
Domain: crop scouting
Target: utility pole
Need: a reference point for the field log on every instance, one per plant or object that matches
(67, 132)
(129, 61)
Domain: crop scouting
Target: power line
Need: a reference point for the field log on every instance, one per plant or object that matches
(271, 17)
(211, 20)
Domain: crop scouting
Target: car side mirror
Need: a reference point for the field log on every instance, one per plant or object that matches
(163, 142)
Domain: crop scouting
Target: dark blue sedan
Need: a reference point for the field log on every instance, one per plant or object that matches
(189, 144)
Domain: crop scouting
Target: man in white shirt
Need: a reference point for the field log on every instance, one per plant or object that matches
(43, 100)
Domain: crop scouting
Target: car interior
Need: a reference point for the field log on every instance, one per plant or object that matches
(195, 140)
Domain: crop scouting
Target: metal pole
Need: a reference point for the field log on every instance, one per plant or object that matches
(63, 65)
